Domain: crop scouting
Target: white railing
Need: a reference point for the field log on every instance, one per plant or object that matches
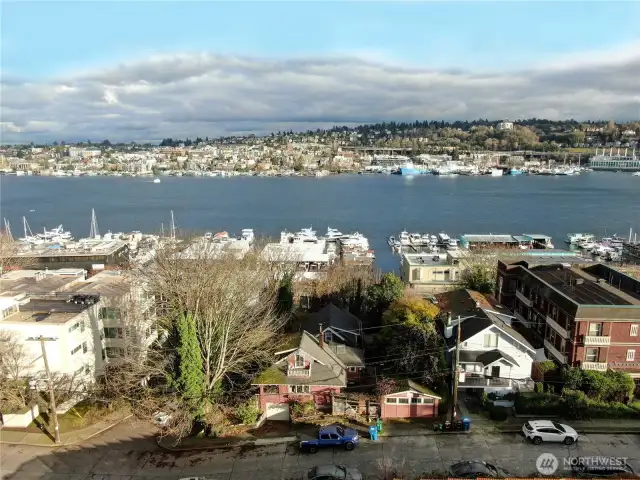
(555, 352)
(598, 340)
(556, 326)
(298, 372)
(523, 299)
(598, 366)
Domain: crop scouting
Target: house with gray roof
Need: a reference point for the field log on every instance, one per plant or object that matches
(306, 369)
(493, 355)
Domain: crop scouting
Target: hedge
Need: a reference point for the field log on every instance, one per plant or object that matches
(572, 404)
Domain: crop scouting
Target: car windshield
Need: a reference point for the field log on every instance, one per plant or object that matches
(340, 431)
(527, 425)
(559, 427)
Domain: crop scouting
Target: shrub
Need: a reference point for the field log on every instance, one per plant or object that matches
(538, 387)
(498, 413)
(247, 413)
(302, 409)
(546, 366)
(538, 403)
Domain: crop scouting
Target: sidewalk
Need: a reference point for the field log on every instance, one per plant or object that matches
(17, 437)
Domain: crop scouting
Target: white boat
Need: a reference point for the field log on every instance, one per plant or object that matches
(247, 235)
(208, 236)
(307, 235)
(636, 174)
(425, 239)
(587, 245)
(55, 234)
(156, 180)
(496, 172)
(415, 238)
(355, 240)
(452, 244)
(433, 240)
(443, 238)
(575, 238)
(393, 243)
(333, 233)
(404, 238)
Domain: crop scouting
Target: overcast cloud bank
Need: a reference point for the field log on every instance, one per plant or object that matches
(211, 95)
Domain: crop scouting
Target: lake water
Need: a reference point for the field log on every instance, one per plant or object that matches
(375, 205)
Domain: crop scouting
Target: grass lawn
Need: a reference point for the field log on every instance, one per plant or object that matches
(80, 416)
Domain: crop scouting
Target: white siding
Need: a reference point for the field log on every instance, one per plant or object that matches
(506, 344)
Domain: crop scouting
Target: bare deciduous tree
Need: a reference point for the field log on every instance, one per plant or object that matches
(14, 364)
(233, 301)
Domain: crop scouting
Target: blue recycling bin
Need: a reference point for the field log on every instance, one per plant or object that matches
(373, 432)
(466, 423)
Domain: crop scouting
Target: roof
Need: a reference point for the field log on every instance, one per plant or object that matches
(350, 356)
(426, 259)
(107, 283)
(469, 303)
(46, 312)
(37, 285)
(490, 238)
(327, 369)
(405, 384)
(582, 288)
(331, 316)
(485, 357)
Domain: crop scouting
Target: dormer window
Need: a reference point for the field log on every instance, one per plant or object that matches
(328, 336)
(299, 361)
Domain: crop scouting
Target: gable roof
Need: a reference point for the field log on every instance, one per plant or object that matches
(331, 316)
(485, 357)
(466, 303)
(406, 384)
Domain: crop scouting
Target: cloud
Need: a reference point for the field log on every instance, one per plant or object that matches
(205, 94)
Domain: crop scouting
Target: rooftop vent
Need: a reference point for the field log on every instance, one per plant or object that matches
(579, 281)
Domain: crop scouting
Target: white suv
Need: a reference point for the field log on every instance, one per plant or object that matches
(540, 431)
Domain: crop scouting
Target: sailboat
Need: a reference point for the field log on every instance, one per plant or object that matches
(29, 237)
(94, 233)
(156, 180)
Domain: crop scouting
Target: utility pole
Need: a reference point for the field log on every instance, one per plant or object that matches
(52, 398)
(456, 373)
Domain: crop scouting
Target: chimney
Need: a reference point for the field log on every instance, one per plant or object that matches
(321, 337)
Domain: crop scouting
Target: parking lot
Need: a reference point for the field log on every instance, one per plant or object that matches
(138, 458)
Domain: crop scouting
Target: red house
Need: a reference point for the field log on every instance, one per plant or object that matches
(307, 371)
(409, 400)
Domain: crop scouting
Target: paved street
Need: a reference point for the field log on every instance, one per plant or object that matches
(122, 455)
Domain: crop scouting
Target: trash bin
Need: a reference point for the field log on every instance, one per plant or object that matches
(466, 423)
(373, 432)
(379, 425)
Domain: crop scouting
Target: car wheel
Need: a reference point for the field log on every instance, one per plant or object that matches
(568, 441)
(537, 440)
(313, 449)
(348, 446)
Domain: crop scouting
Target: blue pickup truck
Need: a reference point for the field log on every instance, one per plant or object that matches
(331, 436)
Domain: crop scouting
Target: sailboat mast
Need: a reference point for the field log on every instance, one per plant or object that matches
(173, 227)
(93, 232)
(7, 230)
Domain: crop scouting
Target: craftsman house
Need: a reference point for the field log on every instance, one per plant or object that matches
(493, 355)
(342, 333)
(307, 369)
(409, 399)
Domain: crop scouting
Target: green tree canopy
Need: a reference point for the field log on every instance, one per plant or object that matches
(382, 294)
(412, 312)
(189, 374)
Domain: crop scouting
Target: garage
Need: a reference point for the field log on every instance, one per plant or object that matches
(277, 411)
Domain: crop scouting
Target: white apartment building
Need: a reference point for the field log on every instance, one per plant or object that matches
(505, 125)
(90, 322)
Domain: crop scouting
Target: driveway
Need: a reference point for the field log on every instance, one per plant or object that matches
(123, 454)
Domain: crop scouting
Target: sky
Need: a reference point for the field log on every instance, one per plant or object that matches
(153, 69)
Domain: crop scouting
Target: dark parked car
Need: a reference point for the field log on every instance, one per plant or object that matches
(607, 468)
(475, 469)
(333, 472)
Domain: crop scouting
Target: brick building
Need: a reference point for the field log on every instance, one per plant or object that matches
(585, 315)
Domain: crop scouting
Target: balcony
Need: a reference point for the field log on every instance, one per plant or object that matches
(298, 372)
(562, 358)
(556, 326)
(598, 341)
(520, 296)
(471, 380)
(597, 366)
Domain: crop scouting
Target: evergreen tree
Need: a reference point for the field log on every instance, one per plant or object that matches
(189, 376)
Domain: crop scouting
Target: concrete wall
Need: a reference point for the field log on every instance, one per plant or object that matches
(22, 419)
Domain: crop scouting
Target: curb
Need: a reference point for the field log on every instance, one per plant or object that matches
(259, 442)
(66, 444)
(582, 431)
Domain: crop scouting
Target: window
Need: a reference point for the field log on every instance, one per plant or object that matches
(300, 388)
(340, 349)
(104, 354)
(324, 436)
(328, 336)
(595, 329)
(403, 400)
(334, 436)
(633, 332)
(299, 363)
(109, 313)
(127, 331)
(592, 354)
(631, 355)
(84, 347)
(112, 332)
(353, 369)
(554, 312)
(415, 400)
(427, 401)
(490, 340)
(512, 286)
(73, 327)
(81, 327)
(391, 400)
(114, 352)
(76, 350)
